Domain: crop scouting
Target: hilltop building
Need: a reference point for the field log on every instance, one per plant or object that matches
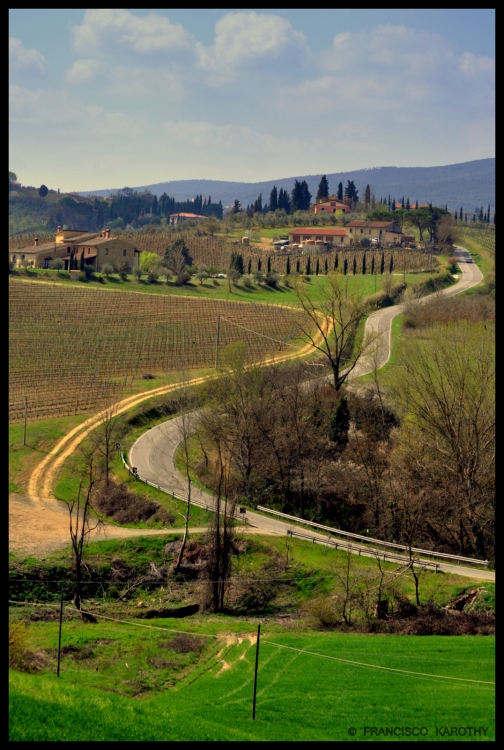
(180, 217)
(98, 249)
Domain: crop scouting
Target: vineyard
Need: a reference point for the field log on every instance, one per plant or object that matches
(71, 350)
(216, 251)
(485, 237)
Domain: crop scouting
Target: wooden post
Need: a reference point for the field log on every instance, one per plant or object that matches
(255, 672)
(25, 413)
(217, 344)
(59, 636)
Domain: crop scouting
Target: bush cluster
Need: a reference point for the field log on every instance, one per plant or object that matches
(123, 506)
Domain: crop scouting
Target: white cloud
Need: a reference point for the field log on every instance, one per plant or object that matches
(389, 69)
(21, 57)
(23, 101)
(143, 34)
(84, 70)
(207, 135)
(243, 38)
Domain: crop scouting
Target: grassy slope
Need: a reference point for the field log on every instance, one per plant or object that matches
(300, 696)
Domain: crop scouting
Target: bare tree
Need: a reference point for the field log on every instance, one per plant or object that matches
(220, 538)
(332, 318)
(186, 425)
(105, 439)
(82, 521)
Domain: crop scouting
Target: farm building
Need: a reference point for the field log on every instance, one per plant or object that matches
(180, 217)
(98, 249)
(312, 235)
(386, 231)
(331, 206)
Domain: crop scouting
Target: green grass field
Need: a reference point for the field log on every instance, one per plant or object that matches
(343, 687)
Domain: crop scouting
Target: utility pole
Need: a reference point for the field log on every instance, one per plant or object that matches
(59, 636)
(217, 344)
(255, 671)
(25, 413)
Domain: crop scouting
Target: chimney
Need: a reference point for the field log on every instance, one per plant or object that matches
(36, 241)
(59, 228)
(107, 234)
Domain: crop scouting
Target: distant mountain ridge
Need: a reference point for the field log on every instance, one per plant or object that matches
(468, 185)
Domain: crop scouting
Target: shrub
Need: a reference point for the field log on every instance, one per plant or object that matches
(271, 279)
(322, 613)
(123, 506)
(57, 264)
(107, 269)
(183, 278)
(89, 272)
(19, 656)
(137, 273)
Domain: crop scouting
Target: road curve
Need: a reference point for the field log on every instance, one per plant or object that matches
(153, 454)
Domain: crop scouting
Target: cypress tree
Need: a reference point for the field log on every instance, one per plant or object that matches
(298, 263)
(372, 264)
(273, 204)
(323, 188)
(416, 204)
(249, 266)
(287, 267)
(345, 266)
(340, 191)
(82, 260)
(354, 265)
(336, 262)
(488, 214)
(461, 215)
(269, 263)
(465, 218)
(402, 203)
(308, 266)
(367, 198)
(382, 263)
(340, 424)
(259, 264)
(326, 267)
(364, 264)
(317, 267)
(391, 264)
(408, 207)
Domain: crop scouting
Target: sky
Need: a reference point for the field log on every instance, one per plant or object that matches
(105, 98)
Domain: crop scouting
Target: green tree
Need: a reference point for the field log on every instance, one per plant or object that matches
(372, 265)
(351, 193)
(323, 188)
(391, 264)
(288, 266)
(82, 261)
(268, 269)
(408, 207)
(317, 267)
(308, 266)
(340, 424)
(12, 176)
(326, 267)
(354, 265)
(236, 207)
(298, 266)
(364, 264)
(382, 264)
(345, 266)
(249, 266)
(273, 202)
(43, 191)
(367, 198)
(340, 191)
(149, 261)
(336, 262)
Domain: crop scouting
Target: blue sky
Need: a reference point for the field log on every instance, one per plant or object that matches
(106, 98)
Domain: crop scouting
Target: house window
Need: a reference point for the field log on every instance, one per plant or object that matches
(68, 249)
(124, 252)
(22, 257)
(351, 231)
(106, 251)
(46, 262)
(88, 250)
(361, 231)
(14, 258)
(341, 239)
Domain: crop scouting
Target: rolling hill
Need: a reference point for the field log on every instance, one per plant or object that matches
(469, 184)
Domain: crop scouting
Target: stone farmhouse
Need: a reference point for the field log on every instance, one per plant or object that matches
(314, 236)
(180, 217)
(98, 248)
(331, 205)
(385, 231)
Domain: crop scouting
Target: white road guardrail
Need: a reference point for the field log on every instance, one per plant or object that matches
(239, 514)
(368, 539)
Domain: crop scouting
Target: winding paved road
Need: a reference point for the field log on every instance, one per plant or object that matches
(153, 454)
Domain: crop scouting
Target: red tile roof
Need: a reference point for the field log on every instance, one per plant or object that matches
(189, 216)
(360, 223)
(319, 232)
